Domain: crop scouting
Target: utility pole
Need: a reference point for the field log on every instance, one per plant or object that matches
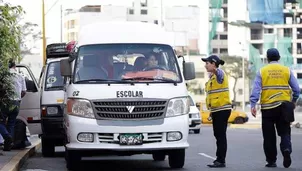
(43, 33)
(61, 37)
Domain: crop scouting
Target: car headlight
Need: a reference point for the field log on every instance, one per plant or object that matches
(80, 107)
(178, 106)
(195, 115)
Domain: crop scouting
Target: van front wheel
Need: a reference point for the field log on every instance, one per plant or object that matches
(73, 159)
(48, 147)
(177, 158)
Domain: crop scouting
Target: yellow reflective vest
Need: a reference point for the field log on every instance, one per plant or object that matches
(218, 96)
(275, 85)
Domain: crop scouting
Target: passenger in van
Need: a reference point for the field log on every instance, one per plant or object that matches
(140, 63)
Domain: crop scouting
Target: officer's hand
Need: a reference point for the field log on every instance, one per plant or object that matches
(254, 111)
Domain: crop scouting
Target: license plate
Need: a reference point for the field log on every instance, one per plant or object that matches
(131, 139)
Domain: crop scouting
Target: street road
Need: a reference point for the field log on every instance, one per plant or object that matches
(244, 153)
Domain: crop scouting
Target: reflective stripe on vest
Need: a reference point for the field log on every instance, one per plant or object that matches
(218, 90)
(225, 107)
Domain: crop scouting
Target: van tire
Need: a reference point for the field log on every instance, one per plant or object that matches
(158, 156)
(72, 159)
(177, 158)
(48, 147)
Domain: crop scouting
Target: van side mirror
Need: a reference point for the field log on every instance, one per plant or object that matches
(189, 70)
(65, 68)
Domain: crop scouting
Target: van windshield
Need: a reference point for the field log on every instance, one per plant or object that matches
(54, 80)
(119, 63)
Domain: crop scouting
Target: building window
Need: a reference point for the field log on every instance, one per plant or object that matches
(215, 50)
(299, 60)
(268, 31)
(144, 12)
(299, 75)
(71, 24)
(223, 50)
(288, 32)
(199, 74)
(223, 37)
(144, 3)
(155, 21)
(131, 11)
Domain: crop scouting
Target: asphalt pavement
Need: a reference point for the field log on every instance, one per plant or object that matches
(244, 153)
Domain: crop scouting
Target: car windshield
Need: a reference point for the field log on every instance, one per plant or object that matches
(122, 63)
(54, 80)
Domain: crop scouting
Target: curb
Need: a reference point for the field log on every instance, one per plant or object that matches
(16, 162)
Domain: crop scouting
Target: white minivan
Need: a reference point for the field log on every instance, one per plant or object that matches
(125, 94)
(30, 105)
(52, 97)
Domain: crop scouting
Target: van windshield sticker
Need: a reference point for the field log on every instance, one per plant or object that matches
(51, 80)
(121, 94)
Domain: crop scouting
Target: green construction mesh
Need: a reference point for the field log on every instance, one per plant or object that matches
(284, 46)
(269, 41)
(254, 59)
(215, 16)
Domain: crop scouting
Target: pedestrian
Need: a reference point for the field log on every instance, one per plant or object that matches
(219, 104)
(278, 90)
(10, 113)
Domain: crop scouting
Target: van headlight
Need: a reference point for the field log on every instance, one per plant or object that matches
(80, 107)
(195, 115)
(178, 106)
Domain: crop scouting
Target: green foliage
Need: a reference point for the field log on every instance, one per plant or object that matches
(9, 48)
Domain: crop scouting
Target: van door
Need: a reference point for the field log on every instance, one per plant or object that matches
(30, 105)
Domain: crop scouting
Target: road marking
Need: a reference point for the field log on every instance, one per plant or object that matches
(205, 155)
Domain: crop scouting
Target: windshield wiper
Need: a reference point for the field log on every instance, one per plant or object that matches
(147, 78)
(55, 87)
(101, 80)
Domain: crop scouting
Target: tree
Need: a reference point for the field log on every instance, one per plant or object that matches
(9, 48)
(233, 68)
(29, 33)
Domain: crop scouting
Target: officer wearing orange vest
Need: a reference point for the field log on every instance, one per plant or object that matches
(219, 104)
(278, 90)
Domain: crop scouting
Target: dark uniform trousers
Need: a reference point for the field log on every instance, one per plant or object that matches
(271, 119)
(220, 124)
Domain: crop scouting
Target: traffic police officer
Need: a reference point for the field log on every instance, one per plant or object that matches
(274, 84)
(219, 104)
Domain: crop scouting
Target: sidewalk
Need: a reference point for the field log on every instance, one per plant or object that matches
(13, 160)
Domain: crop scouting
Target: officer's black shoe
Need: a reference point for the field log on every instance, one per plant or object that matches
(271, 165)
(216, 164)
(287, 161)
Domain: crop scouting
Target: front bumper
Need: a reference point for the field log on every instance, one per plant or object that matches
(106, 132)
(194, 124)
(52, 127)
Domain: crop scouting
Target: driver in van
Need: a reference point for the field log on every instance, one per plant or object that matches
(151, 61)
